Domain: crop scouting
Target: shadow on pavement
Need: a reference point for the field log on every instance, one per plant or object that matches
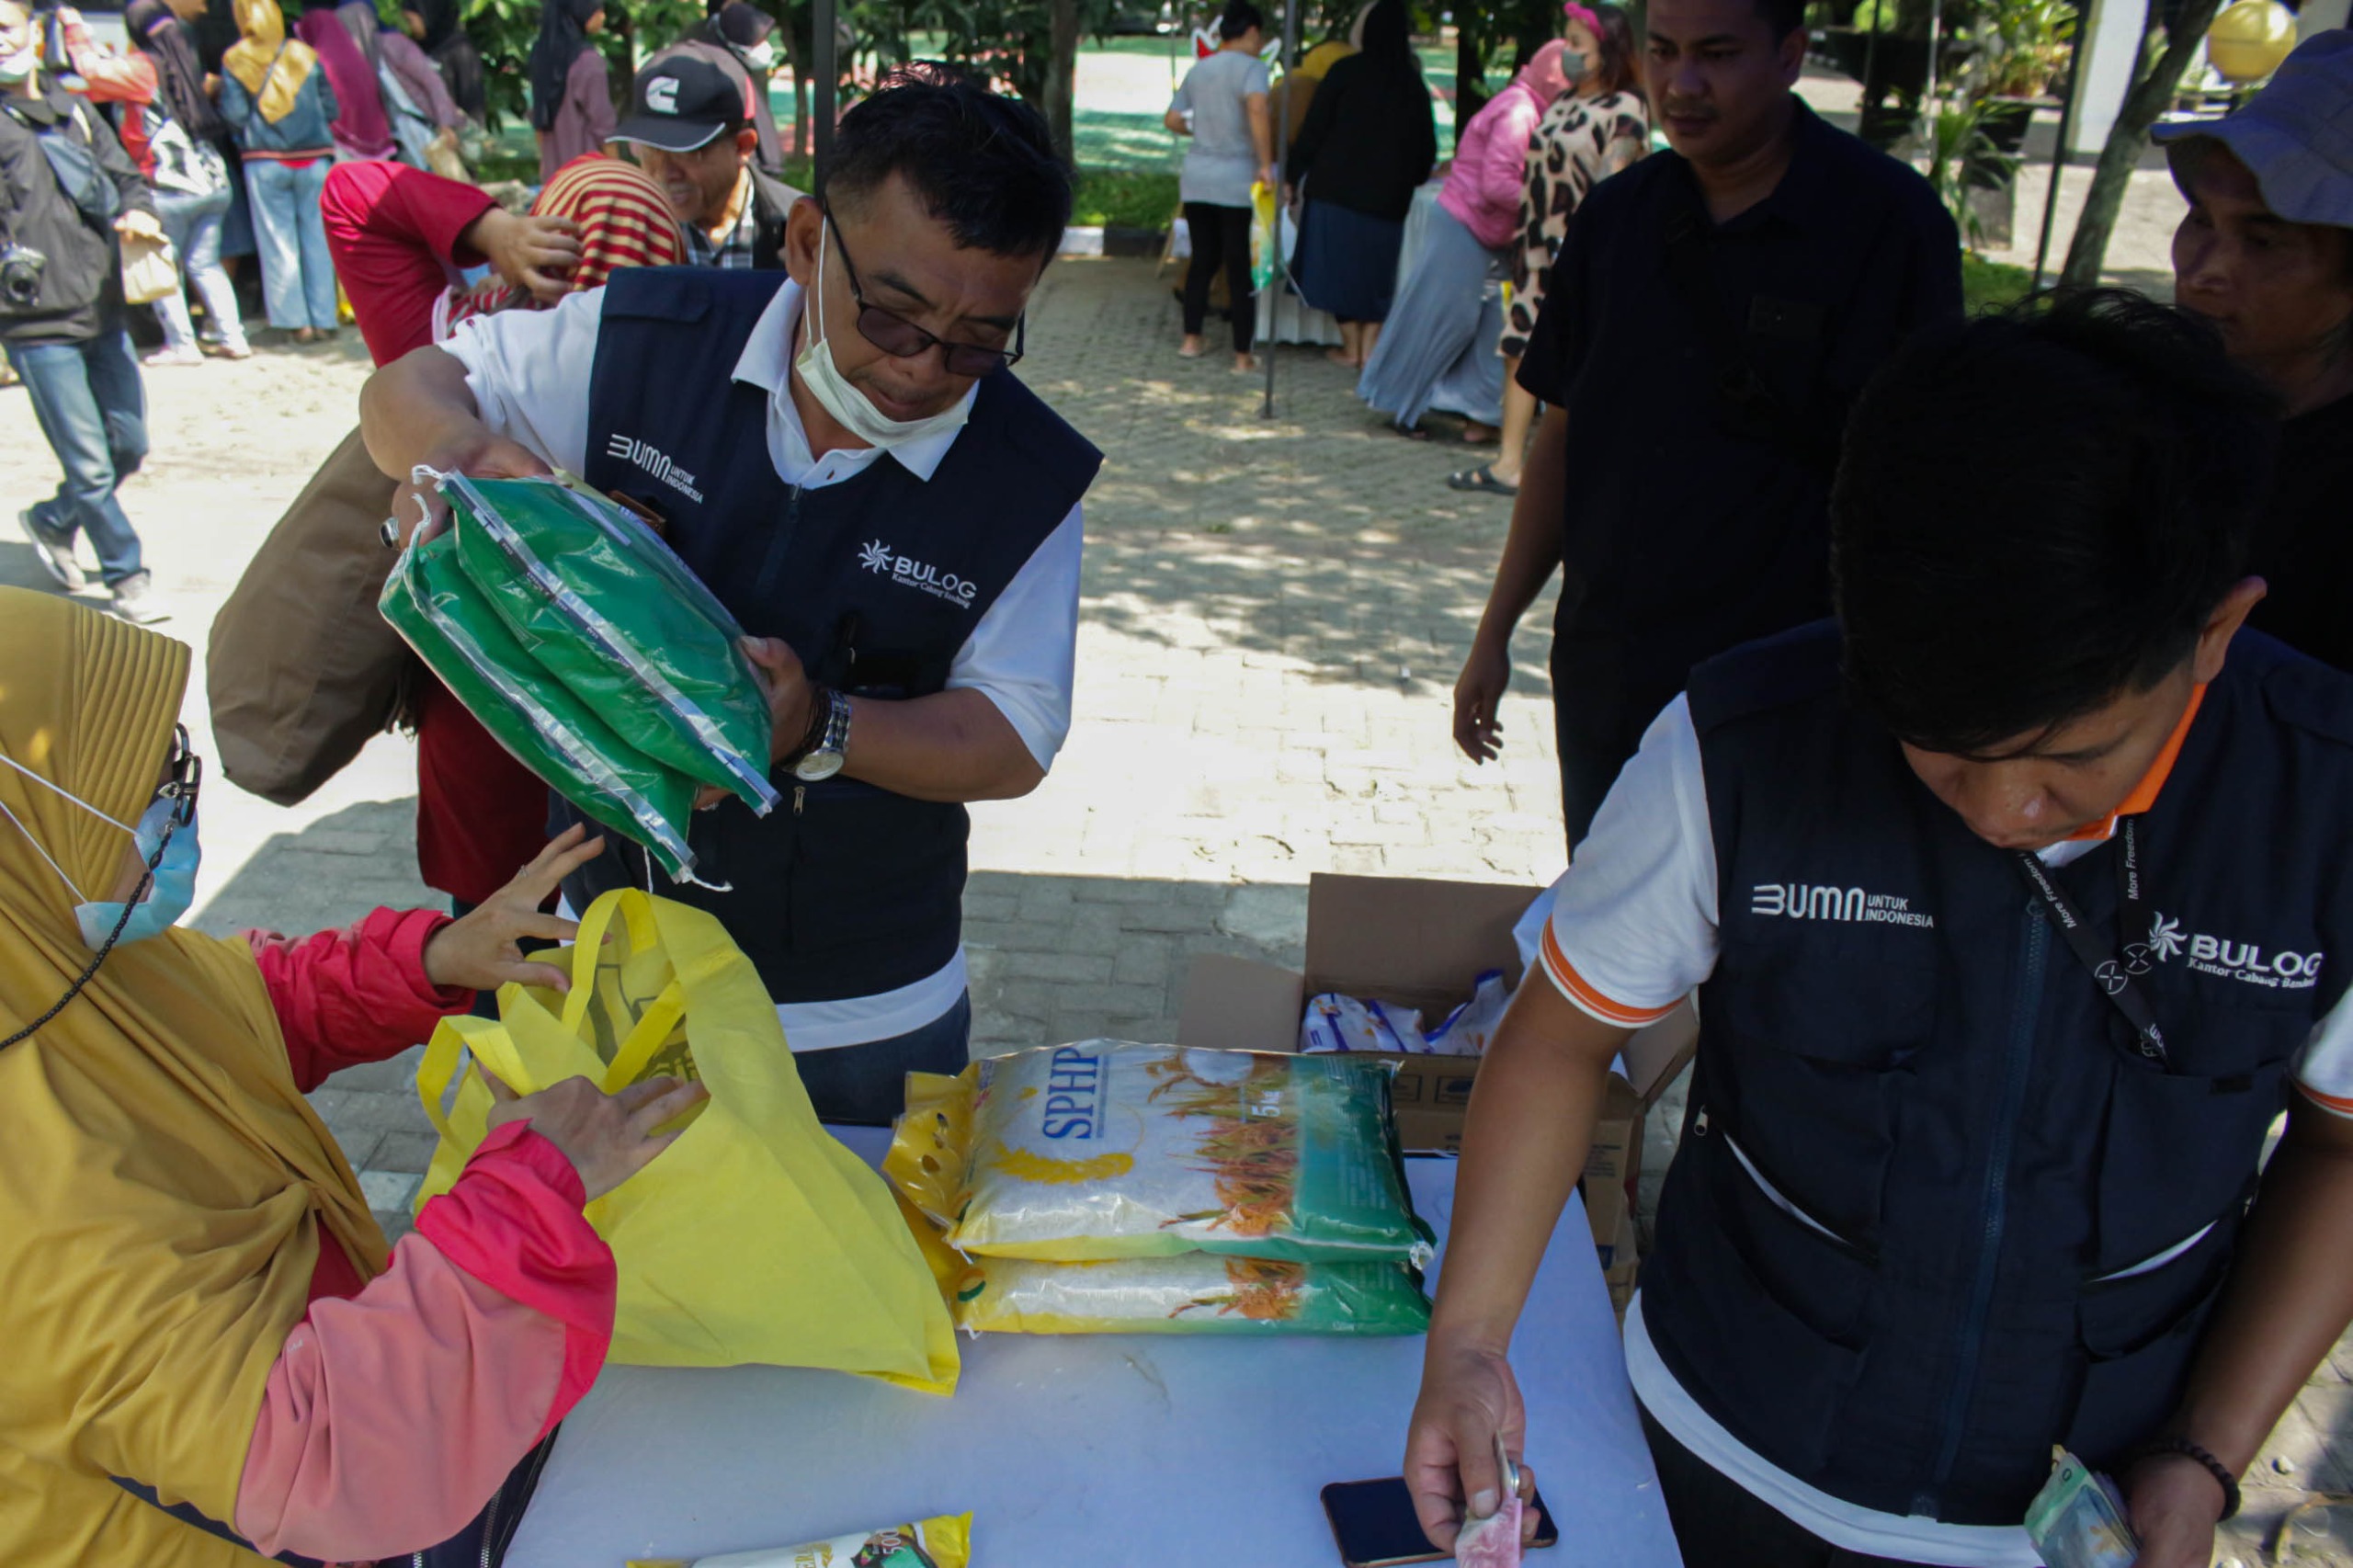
(1321, 536)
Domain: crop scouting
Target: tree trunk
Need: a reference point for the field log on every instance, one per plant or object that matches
(1470, 78)
(798, 47)
(2152, 90)
(1062, 76)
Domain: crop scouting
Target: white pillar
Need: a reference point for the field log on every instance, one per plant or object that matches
(2112, 46)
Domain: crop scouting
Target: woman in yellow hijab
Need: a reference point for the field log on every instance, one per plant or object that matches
(267, 66)
(212, 1361)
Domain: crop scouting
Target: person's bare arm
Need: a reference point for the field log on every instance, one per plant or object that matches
(1531, 555)
(2290, 1298)
(952, 745)
(1532, 1108)
(417, 411)
(1175, 120)
(1262, 137)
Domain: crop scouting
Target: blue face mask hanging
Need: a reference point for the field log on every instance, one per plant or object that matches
(169, 895)
(171, 889)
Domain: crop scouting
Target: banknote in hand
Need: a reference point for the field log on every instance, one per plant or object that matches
(2078, 1520)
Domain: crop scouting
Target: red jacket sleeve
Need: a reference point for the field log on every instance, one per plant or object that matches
(354, 995)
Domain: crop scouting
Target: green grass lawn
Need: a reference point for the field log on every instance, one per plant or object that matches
(1990, 284)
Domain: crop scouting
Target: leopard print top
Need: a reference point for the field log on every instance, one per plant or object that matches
(1577, 145)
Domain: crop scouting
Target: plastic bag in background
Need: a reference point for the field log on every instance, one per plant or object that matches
(604, 607)
(1103, 1149)
(1263, 237)
(943, 1542)
(1468, 1028)
(1194, 1292)
(1334, 1022)
(433, 605)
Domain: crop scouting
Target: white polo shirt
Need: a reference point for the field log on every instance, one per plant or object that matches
(530, 373)
(1633, 931)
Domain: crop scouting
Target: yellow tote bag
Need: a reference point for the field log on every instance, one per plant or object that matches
(755, 1237)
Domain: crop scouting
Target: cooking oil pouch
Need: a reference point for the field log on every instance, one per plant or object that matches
(431, 602)
(1194, 1292)
(1106, 1150)
(943, 1542)
(600, 602)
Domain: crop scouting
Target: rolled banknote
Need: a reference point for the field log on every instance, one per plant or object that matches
(2078, 1520)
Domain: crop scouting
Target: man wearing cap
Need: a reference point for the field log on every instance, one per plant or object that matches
(2266, 253)
(843, 458)
(687, 123)
(740, 39)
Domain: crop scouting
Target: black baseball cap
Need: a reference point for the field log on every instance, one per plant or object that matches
(680, 103)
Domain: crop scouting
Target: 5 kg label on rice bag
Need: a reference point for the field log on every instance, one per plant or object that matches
(1104, 1150)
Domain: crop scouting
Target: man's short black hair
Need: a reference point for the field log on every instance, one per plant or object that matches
(981, 163)
(1239, 19)
(1784, 17)
(2037, 511)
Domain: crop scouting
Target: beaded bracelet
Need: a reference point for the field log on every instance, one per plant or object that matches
(2190, 1450)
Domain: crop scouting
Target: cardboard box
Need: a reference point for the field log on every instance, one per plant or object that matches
(1419, 944)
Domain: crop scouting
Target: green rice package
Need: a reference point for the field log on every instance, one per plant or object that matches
(601, 603)
(1107, 1150)
(1194, 1292)
(431, 602)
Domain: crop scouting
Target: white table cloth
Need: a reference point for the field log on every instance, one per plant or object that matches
(1096, 1450)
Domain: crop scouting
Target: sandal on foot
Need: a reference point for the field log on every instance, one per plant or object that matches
(1482, 481)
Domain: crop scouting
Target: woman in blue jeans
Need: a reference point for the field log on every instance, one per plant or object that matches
(277, 102)
(190, 180)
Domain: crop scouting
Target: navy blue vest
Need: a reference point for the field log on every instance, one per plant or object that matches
(844, 890)
(1920, 1151)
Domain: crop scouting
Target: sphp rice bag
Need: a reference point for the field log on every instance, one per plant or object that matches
(1194, 1292)
(1103, 1149)
(943, 1542)
(604, 605)
(432, 604)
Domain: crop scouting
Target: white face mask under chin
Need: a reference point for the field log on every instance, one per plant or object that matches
(17, 67)
(849, 407)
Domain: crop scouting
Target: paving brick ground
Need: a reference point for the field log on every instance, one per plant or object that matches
(1273, 610)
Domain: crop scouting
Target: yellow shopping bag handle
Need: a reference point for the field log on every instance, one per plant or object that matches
(637, 909)
(492, 1050)
(653, 1029)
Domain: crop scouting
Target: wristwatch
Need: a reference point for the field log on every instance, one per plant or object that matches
(820, 759)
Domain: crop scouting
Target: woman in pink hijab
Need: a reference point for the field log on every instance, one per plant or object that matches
(362, 130)
(1439, 349)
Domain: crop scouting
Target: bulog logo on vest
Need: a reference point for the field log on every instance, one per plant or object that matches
(909, 573)
(2243, 961)
(1802, 900)
(631, 450)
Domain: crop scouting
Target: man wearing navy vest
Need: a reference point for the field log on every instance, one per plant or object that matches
(2017, 904)
(842, 458)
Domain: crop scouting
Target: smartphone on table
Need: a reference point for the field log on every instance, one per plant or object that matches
(1376, 1527)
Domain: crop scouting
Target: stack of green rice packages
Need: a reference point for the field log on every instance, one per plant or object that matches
(1110, 1188)
(577, 637)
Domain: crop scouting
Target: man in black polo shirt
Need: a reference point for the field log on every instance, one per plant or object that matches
(2016, 901)
(1713, 311)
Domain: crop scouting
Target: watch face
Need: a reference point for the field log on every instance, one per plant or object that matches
(818, 766)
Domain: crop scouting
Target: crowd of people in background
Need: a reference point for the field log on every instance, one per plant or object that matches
(325, 168)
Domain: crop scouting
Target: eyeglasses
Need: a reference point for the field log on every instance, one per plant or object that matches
(903, 340)
(186, 772)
